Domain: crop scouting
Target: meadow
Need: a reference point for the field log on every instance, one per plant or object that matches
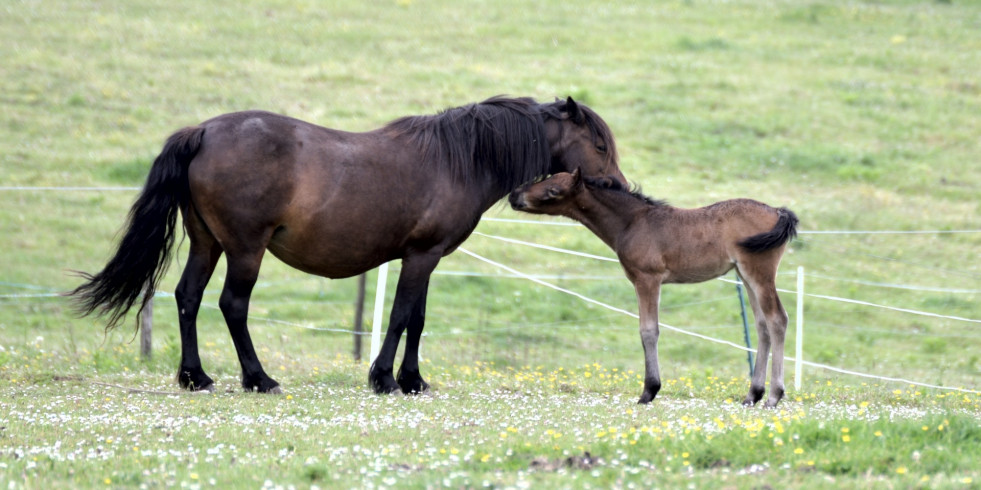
(860, 116)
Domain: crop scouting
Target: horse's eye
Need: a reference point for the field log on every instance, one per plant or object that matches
(551, 193)
(601, 148)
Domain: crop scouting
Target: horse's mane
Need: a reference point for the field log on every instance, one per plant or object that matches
(613, 185)
(501, 135)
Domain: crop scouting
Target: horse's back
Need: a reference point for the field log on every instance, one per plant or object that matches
(324, 201)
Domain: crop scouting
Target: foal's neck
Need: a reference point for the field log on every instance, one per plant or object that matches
(607, 212)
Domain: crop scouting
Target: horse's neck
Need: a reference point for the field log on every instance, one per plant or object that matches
(607, 213)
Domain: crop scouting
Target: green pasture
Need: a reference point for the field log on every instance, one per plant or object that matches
(858, 115)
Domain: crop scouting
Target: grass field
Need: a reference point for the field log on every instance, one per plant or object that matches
(859, 116)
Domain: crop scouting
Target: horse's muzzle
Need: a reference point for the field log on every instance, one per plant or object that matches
(517, 200)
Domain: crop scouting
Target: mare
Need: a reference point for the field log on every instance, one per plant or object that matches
(657, 243)
(335, 204)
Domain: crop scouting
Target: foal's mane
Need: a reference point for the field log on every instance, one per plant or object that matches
(502, 136)
(614, 186)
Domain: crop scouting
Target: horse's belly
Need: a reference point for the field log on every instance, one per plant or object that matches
(334, 259)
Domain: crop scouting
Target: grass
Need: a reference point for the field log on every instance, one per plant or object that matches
(857, 115)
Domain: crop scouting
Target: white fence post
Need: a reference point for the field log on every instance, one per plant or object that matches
(376, 320)
(799, 354)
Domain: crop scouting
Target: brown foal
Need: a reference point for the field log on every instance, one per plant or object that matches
(657, 243)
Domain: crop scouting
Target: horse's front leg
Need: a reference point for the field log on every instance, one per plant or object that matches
(408, 313)
(648, 297)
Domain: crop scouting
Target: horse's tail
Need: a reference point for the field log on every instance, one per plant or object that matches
(782, 232)
(143, 254)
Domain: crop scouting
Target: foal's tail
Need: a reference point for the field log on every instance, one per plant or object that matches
(782, 232)
(143, 254)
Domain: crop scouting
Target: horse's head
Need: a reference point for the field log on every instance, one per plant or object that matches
(550, 196)
(579, 139)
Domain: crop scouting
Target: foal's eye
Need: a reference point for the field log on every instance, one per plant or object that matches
(552, 193)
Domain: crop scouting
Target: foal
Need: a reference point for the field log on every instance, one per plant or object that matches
(657, 243)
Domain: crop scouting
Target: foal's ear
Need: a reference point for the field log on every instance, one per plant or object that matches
(575, 113)
(577, 182)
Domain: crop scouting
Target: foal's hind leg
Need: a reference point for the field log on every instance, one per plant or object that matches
(757, 385)
(201, 261)
(771, 321)
(243, 271)
(776, 321)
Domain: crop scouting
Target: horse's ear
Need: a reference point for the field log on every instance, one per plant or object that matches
(575, 113)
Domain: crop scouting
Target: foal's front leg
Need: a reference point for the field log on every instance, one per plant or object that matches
(648, 290)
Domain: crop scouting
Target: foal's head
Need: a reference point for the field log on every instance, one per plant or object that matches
(550, 196)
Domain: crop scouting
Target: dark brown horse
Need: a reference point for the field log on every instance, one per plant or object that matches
(335, 204)
(657, 243)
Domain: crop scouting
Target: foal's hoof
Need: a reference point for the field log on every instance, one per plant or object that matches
(754, 395)
(772, 402)
(645, 398)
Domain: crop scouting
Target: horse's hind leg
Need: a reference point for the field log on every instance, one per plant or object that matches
(243, 271)
(201, 261)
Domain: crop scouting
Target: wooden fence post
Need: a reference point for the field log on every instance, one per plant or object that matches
(146, 331)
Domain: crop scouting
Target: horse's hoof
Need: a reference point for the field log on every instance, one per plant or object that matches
(382, 381)
(275, 390)
(206, 389)
(384, 385)
(414, 388)
(411, 382)
(195, 380)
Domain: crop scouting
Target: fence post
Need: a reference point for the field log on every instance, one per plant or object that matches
(146, 330)
(742, 310)
(359, 316)
(799, 354)
(376, 320)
